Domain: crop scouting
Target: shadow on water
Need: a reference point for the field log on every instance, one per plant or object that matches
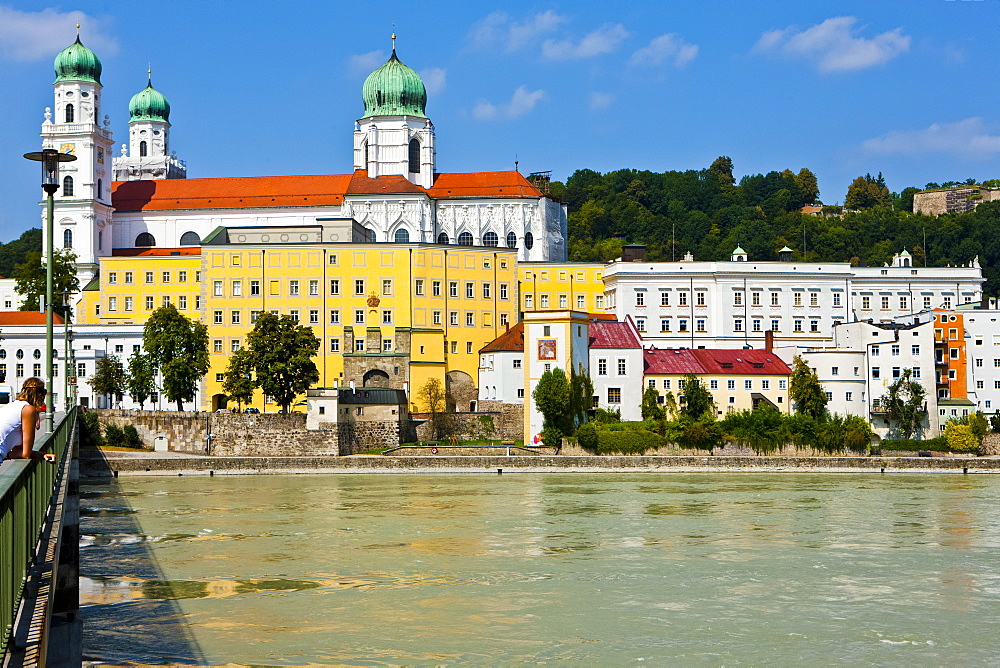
(118, 627)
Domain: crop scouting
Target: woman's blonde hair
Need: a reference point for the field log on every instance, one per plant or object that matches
(33, 391)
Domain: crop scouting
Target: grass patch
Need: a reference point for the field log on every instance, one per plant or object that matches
(492, 442)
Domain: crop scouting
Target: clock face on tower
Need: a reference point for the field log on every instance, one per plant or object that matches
(68, 149)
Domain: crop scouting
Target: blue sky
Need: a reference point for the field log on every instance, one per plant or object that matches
(908, 87)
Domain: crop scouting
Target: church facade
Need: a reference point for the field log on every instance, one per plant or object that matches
(141, 197)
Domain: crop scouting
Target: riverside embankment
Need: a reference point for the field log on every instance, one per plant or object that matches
(99, 464)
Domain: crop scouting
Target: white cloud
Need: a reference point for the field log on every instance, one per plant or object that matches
(363, 64)
(599, 100)
(26, 36)
(669, 48)
(434, 79)
(603, 40)
(512, 35)
(968, 138)
(520, 103)
(834, 45)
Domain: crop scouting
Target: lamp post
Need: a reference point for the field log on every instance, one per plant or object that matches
(50, 159)
(67, 345)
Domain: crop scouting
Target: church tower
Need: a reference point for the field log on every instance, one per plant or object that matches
(395, 137)
(148, 155)
(83, 203)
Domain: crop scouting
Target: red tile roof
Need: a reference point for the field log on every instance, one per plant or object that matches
(381, 185)
(670, 362)
(699, 361)
(27, 318)
(320, 190)
(604, 334)
(742, 362)
(230, 193)
(483, 184)
(511, 341)
(146, 252)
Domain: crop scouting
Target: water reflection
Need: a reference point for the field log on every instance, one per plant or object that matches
(585, 569)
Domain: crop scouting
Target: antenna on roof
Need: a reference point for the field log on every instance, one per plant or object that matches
(516, 162)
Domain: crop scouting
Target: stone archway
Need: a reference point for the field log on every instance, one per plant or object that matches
(219, 401)
(461, 389)
(375, 378)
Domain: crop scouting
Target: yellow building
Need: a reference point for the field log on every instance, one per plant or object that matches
(387, 315)
(134, 282)
(561, 286)
(737, 379)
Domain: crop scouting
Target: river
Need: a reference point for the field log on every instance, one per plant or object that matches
(597, 569)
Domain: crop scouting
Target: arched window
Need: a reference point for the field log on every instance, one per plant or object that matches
(402, 236)
(511, 240)
(529, 240)
(443, 238)
(68, 186)
(464, 239)
(414, 156)
(366, 156)
(190, 239)
(100, 187)
(491, 239)
(143, 149)
(145, 239)
(69, 113)
(371, 236)
(67, 238)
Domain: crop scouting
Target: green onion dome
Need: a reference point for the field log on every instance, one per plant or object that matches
(77, 63)
(394, 90)
(149, 105)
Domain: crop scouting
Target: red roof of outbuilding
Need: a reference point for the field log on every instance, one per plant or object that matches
(27, 318)
(604, 334)
(318, 190)
(511, 341)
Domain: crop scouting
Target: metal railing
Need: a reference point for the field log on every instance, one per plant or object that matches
(26, 492)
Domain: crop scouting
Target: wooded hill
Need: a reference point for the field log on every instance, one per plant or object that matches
(705, 212)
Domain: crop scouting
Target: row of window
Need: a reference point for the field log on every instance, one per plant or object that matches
(128, 303)
(714, 383)
(895, 350)
(896, 372)
(296, 288)
(563, 301)
(361, 318)
(466, 239)
(150, 276)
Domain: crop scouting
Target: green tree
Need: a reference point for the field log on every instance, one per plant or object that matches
(15, 252)
(651, 409)
(109, 377)
(178, 347)
(808, 186)
(552, 399)
(141, 381)
(867, 191)
(237, 382)
(697, 399)
(960, 438)
(903, 403)
(722, 169)
(805, 390)
(280, 352)
(581, 396)
(30, 279)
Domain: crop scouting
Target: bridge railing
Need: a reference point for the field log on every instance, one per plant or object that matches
(26, 492)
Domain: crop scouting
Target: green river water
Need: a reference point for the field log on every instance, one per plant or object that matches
(588, 569)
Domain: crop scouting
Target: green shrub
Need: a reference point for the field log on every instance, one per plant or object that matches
(90, 430)
(586, 436)
(551, 437)
(628, 442)
(132, 438)
(960, 438)
(910, 444)
(607, 416)
(114, 437)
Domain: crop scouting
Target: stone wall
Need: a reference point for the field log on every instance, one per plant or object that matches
(233, 434)
(507, 424)
(991, 444)
(358, 437)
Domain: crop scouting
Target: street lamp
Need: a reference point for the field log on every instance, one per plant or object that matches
(50, 159)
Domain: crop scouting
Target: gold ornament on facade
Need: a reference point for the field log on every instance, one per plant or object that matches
(373, 300)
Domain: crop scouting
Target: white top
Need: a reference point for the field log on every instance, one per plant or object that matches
(11, 435)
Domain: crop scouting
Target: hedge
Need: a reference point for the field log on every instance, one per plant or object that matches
(628, 442)
(938, 443)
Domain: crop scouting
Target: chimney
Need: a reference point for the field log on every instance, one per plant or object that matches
(768, 340)
(352, 386)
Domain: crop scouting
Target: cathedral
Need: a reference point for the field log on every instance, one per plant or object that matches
(141, 196)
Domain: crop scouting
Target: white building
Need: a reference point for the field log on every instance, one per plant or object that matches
(552, 339)
(501, 368)
(616, 367)
(732, 304)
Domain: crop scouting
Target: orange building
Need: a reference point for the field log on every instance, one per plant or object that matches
(950, 361)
